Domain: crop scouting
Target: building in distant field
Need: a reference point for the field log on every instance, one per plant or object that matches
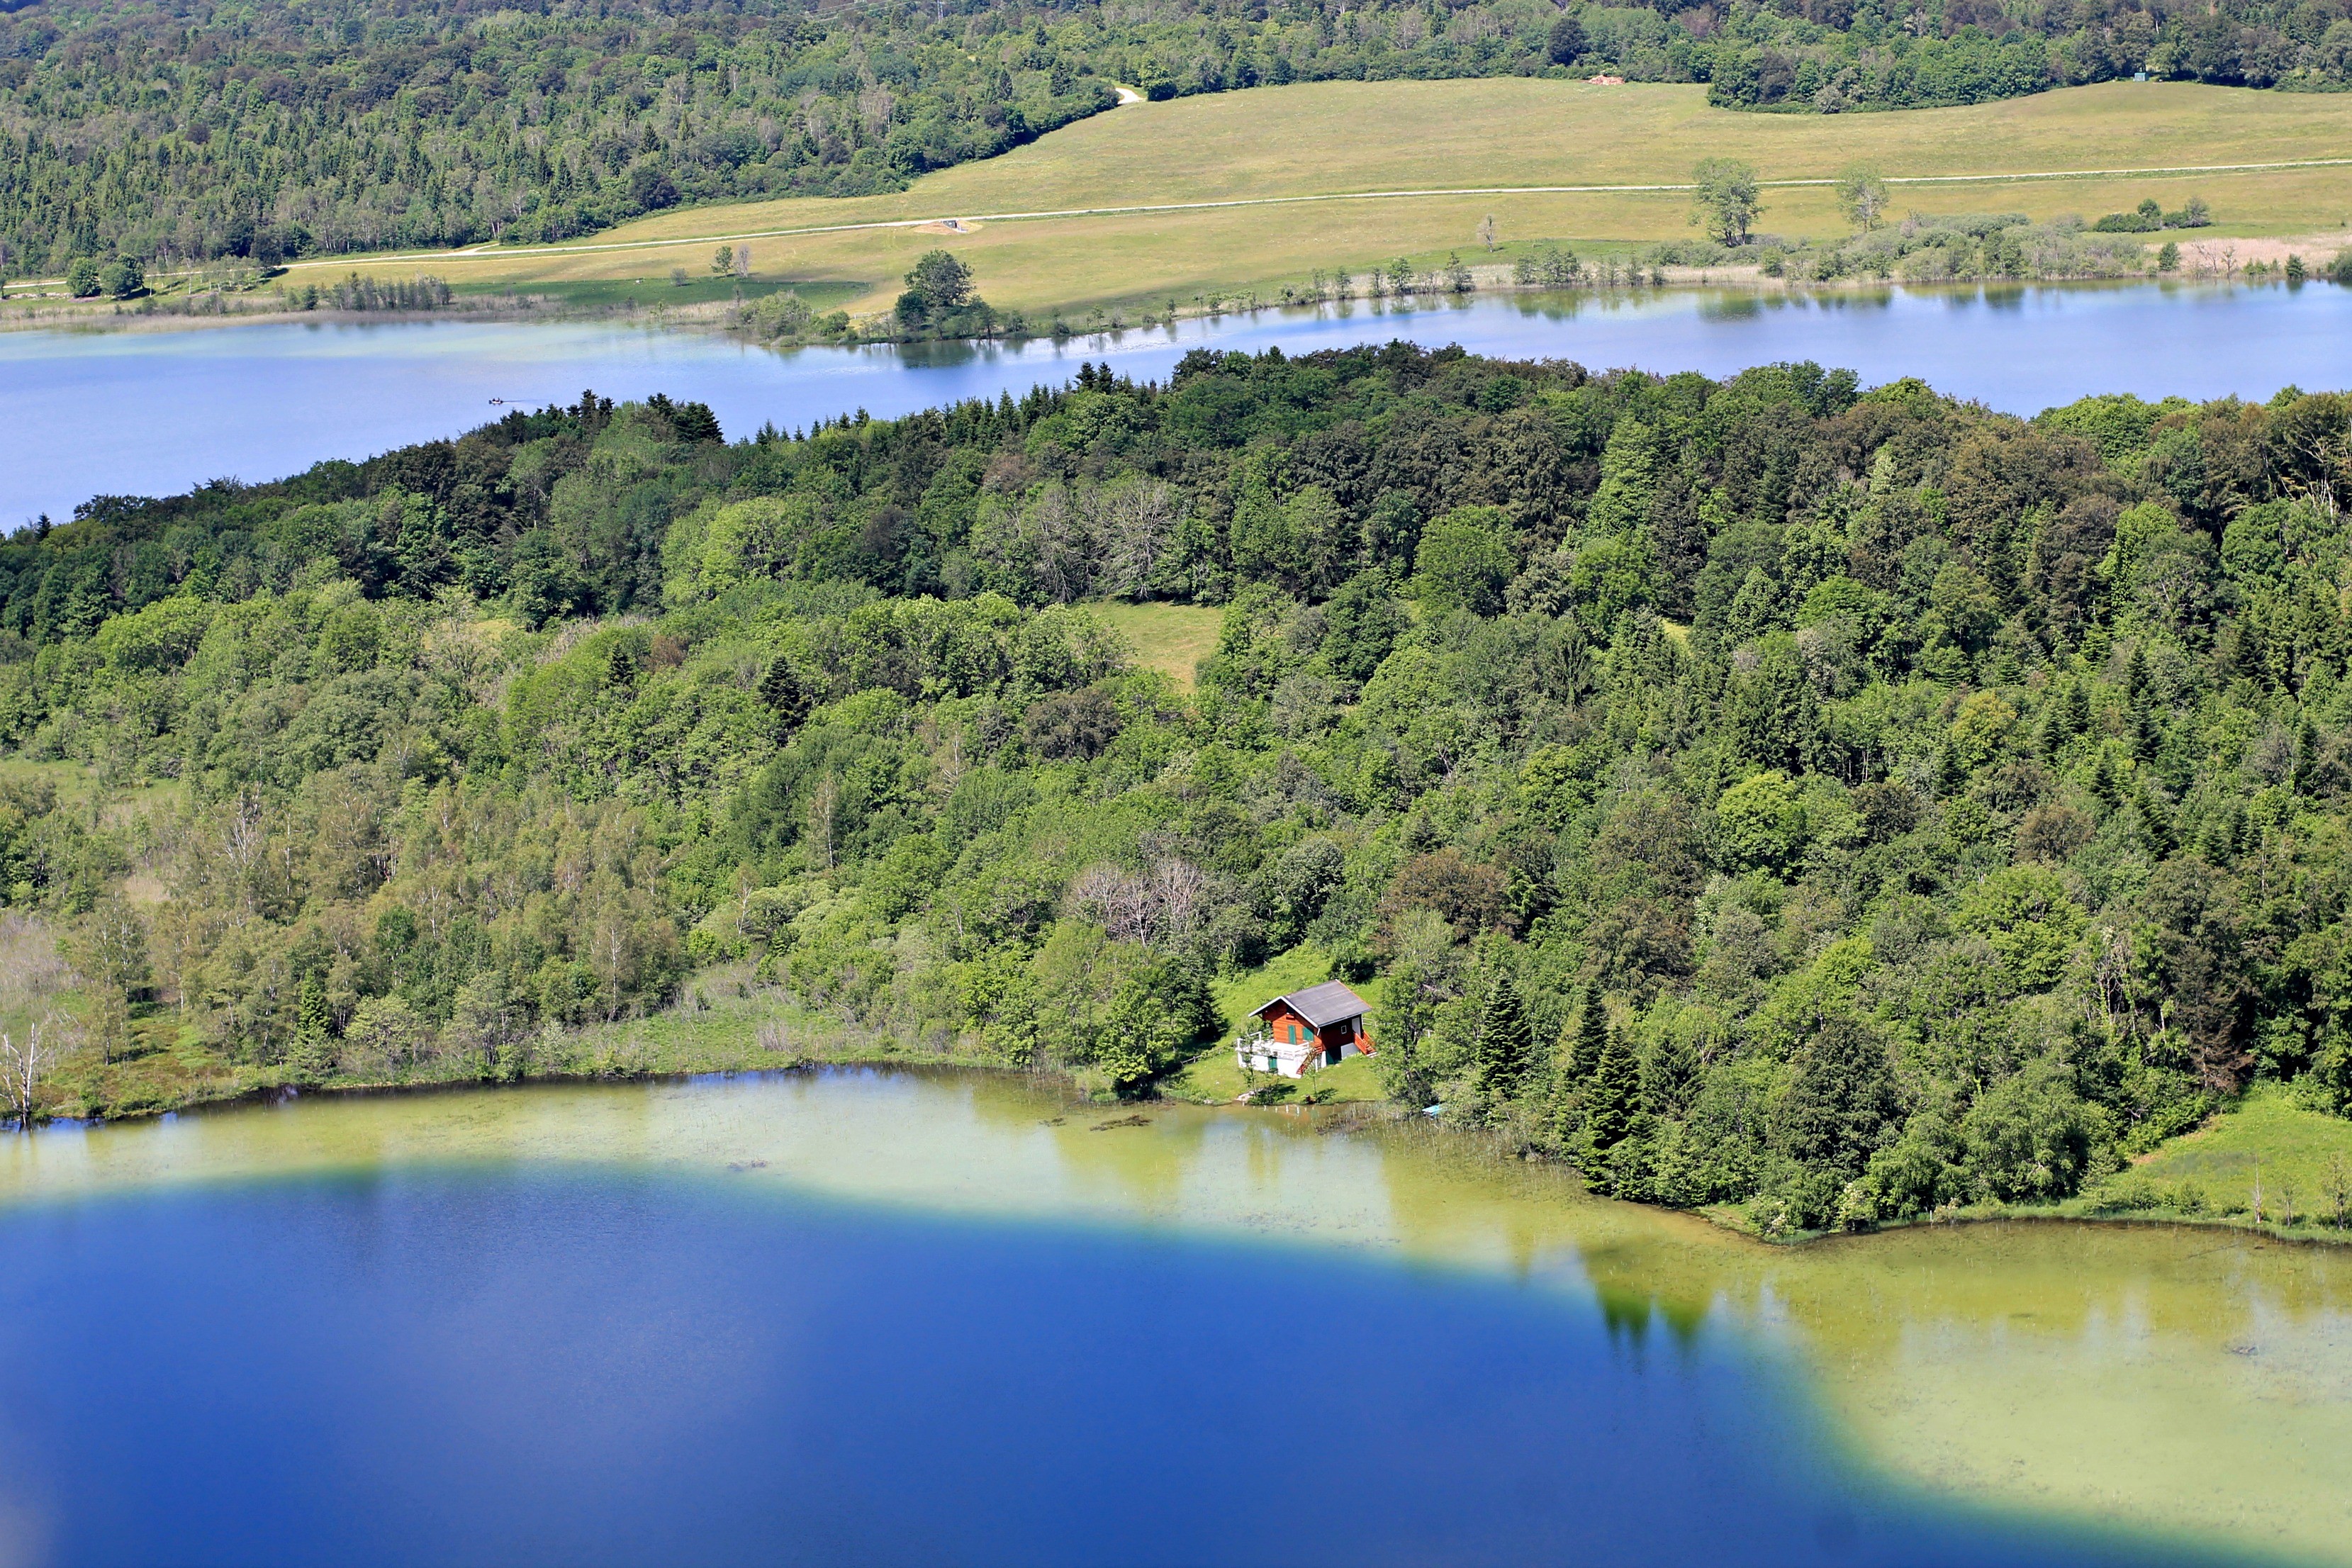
(1316, 1027)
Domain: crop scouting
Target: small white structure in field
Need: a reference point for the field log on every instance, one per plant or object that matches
(1316, 1027)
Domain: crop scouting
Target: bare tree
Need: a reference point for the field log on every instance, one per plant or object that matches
(25, 1060)
(822, 804)
(1135, 521)
(1487, 231)
(1159, 906)
(1181, 886)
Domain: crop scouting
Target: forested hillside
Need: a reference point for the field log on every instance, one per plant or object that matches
(1852, 801)
(269, 129)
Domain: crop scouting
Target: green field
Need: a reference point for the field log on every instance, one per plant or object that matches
(1346, 139)
(1170, 639)
(2294, 1157)
(657, 290)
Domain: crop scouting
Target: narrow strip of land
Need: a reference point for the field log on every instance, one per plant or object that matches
(1145, 208)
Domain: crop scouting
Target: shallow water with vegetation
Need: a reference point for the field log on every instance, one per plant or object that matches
(851, 1315)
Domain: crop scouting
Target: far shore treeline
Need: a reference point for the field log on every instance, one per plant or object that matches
(182, 135)
(1769, 791)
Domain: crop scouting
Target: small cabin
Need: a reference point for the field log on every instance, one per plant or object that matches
(1316, 1027)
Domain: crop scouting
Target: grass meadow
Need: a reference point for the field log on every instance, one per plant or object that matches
(1170, 639)
(1338, 138)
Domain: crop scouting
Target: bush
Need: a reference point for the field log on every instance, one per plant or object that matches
(2030, 1137)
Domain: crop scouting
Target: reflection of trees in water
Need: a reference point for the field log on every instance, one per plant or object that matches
(2160, 1372)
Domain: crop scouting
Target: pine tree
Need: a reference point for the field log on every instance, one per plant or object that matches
(2105, 785)
(1582, 1046)
(1565, 1107)
(781, 690)
(311, 1017)
(2077, 708)
(1615, 1095)
(1671, 1078)
(1507, 1046)
(313, 1056)
(1591, 1035)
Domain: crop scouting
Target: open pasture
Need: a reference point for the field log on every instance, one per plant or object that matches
(1310, 161)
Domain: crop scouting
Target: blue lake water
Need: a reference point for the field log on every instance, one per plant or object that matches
(874, 1318)
(454, 1367)
(154, 413)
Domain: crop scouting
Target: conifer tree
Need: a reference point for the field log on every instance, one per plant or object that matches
(2104, 783)
(1614, 1096)
(1506, 1046)
(782, 691)
(1591, 1035)
(1582, 1046)
(1564, 1103)
(311, 1016)
(1670, 1078)
(2077, 708)
(313, 1056)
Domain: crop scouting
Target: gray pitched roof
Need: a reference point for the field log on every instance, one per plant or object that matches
(1324, 1004)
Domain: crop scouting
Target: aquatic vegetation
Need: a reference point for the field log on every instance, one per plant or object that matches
(2143, 1378)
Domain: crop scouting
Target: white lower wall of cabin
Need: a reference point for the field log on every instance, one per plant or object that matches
(1289, 1060)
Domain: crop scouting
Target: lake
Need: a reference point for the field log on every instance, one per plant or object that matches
(152, 413)
(856, 1316)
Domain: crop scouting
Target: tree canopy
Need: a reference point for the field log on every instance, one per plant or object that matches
(269, 129)
(1882, 801)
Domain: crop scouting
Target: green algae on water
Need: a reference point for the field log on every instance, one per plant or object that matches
(2138, 1376)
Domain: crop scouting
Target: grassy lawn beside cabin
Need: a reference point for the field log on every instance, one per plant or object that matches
(1213, 1075)
(1350, 138)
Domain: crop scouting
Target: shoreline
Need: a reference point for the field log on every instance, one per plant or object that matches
(636, 1060)
(710, 317)
(548, 311)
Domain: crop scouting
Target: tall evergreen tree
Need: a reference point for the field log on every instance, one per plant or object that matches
(786, 694)
(1671, 1078)
(311, 1016)
(1565, 1105)
(1614, 1096)
(312, 1055)
(1591, 1035)
(1506, 1046)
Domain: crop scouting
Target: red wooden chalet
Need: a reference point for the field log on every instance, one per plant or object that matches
(1316, 1027)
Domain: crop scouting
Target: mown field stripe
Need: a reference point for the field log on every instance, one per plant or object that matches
(1148, 207)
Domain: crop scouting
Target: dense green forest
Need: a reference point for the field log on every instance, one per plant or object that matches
(1852, 801)
(266, 130)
